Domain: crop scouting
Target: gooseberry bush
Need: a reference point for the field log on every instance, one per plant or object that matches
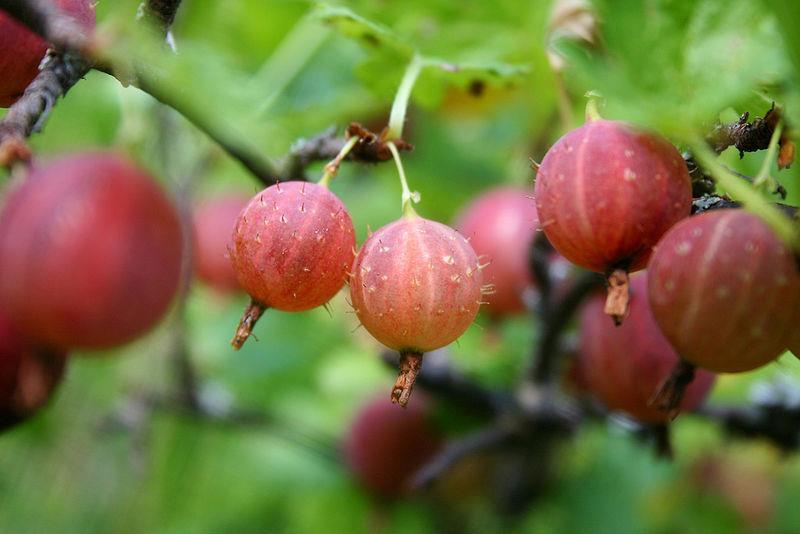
(379, 267)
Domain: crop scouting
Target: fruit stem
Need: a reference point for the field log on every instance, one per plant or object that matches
(397, 117)
(251, 314)
(669, 394)
(618, 297)
(408, 197)
(592, 111)
(332, 167)
(750, 198)
(763, 177)
(410, 364)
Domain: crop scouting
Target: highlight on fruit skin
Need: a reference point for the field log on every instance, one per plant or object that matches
(90, 251)
(385, 447)
(416, 286)
(501, 224)
(724, 290)
(605, 193)
(292, 248)
(23, 50)
(28, 375)
(623, 366)
(214, 220)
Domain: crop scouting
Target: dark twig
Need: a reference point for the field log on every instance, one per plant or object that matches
(548, 350)
(540, 254)
(779, 424)
(483, 440)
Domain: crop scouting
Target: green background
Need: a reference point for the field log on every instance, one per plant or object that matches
(269, 72)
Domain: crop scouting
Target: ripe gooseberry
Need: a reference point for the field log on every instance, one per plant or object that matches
(724, 290)
(605, 193)
(500, 225)
(416, 287)
(28, 375)
(214, 221)
(292, 248)
(624, 366)
(385, 446)
(90, 251)
(23, 50)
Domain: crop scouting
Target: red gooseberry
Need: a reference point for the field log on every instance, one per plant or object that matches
(724, 290)
(214, 221)
(90, 251)
(500, 225)
(385, 446)
(293, 246)
(416, 287)
(605, 193)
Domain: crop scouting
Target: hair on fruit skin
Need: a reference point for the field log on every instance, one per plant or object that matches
(385, 446)
(90, 251)
(28, 375)
(292, 248)
(605, 193)
(21, 50)
(500, 225)
(416, 286)
(624, 366)
(213, 222)
(724, 290)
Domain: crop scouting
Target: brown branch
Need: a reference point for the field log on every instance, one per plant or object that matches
(27, 115)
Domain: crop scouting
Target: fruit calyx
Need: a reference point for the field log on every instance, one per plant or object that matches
(410, 365)
(618, 296)
(252, 313)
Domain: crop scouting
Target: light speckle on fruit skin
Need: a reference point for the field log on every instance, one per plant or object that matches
(407, 302)
(729, 303)
(303, 260)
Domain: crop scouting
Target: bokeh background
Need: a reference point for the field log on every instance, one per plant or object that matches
(104, 457)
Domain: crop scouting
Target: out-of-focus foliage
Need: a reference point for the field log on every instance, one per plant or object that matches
(268, 72)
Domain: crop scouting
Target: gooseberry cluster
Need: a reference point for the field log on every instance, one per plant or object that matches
(720, 292)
